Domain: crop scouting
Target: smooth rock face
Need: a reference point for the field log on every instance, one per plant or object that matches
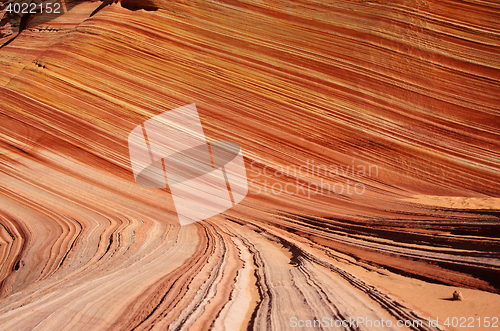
(371, 139)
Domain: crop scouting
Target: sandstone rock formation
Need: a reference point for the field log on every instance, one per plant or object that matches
(346, 111)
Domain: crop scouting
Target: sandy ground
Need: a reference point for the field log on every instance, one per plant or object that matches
(457, 202)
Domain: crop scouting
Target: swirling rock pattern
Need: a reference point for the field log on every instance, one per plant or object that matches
(398, 97)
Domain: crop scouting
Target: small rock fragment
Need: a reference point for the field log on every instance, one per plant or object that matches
(458, 296)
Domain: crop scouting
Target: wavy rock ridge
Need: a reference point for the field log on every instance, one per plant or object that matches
(346, 110)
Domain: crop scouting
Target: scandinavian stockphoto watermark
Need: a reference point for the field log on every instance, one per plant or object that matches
(205, 178)
(327, 179)
(357, 322)
(414, 324)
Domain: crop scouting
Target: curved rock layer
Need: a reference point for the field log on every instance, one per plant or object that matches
(345, 111)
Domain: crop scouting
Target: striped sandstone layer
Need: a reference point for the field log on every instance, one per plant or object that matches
(345, 111)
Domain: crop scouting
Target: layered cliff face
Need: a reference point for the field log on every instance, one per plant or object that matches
(371, 137)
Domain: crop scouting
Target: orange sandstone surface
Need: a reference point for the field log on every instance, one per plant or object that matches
(371, 137)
